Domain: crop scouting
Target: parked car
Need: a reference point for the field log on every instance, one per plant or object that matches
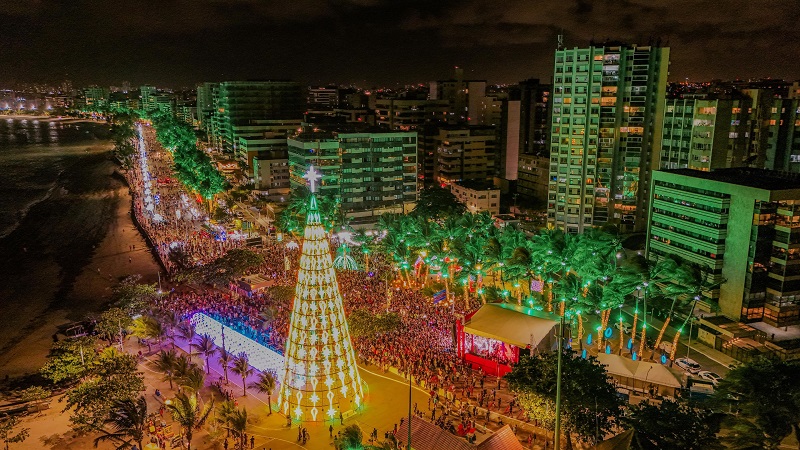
(623, 327)
(688, 365)
(710, 376)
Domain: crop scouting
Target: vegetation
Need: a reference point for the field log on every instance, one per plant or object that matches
(190, 416)
(7, 432)
(192, 166)
(437, 203)
(589, 401)
(265, 385)
(70, 360)
(132, 296)
(241, 367)
(762, 402)
(113, 377)
(672, 425)
(364, 324)
(226, 268)
(126, 423)
(293, 218)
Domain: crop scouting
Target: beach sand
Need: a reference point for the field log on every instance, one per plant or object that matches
(50, 263)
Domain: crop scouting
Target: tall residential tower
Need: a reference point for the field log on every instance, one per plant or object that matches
(608, 103)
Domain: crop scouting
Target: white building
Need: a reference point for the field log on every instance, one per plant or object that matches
(477, 197)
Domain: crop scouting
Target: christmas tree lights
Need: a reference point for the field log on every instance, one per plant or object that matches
(321, 379)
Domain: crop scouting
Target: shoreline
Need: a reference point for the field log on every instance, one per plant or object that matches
(95, 244)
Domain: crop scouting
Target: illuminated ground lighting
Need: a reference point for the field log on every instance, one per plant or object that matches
(259, 356)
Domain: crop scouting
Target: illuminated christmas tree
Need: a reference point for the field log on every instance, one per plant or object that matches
(321, 378)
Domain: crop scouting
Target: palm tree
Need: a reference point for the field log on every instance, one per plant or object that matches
(188, 332)
(237, 425)
(147, 327)
(172, 322)
(205, 347)
(224, 360)
(194, 380)
(182, 366)
(128, 422)
(186, 411)
(241, 367)
(352, 437)
(166, 363)
(265, 385)
(224, 412)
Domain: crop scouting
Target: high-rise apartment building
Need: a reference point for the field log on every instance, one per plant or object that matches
(742, 227)
(464, 153)
(608, 104)
(705, 134)
(147, 97)
(243, 105)
(409, 114)
(96, 98)
(464, 96)
(371, 173)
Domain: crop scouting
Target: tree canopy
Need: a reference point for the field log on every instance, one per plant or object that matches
(437, 203)
(589, 400)
(762, 398)
(672, 424)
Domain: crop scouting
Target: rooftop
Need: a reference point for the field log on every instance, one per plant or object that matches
(477, 185)
(770, 180)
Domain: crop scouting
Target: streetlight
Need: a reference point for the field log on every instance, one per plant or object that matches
(557, 431)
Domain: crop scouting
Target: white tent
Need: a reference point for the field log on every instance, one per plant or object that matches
(639, 374)
(515, 325)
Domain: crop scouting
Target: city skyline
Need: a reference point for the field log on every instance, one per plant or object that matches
(358, 41)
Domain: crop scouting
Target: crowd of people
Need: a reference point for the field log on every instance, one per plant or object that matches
(174, 226)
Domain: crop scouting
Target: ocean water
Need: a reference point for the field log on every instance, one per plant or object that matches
(33, 157)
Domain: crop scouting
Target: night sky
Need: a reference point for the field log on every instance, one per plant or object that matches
(378, 42)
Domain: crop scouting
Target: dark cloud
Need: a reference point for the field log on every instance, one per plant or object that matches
(383, 41)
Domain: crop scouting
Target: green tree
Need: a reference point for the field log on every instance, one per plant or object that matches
(232, 265)
(265, 385)
(113, 377)
(132, 296)
(112, 323)
(365, 324)
(187, 412)
(166, 363)
(35, 394)
(70, 359)
(436, 203)
(237, 425)
(7, 434)
(293, 218)
(149, 328)
(194, 380)
(205, 347)
(241, 367)
(672, 425)
(126, 423)
(763, 398)
(589, 401)
(352, 438)
(225, 359)
(188, 332)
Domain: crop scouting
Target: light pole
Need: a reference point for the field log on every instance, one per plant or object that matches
(689, 344)
(557, 431)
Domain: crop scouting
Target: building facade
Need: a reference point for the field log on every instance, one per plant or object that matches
(742, 227)
(464, 153)
(608, 104)
(477, 197)
(370, 173)
(533, 179)
(241, 106)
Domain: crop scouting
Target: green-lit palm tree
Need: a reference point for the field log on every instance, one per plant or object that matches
(265, 385)
(127, 421)
(241, 367)
(205, 347)
(237, 425)
(171, 322)
(189, 415)
(224, 360)
(166, 362)
(352, 437)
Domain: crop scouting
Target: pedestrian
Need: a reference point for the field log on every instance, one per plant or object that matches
(330, 430)
(225, 444)
(252, 442)
(341, 418)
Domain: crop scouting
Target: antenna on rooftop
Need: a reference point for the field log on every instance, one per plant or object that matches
(560, 40)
